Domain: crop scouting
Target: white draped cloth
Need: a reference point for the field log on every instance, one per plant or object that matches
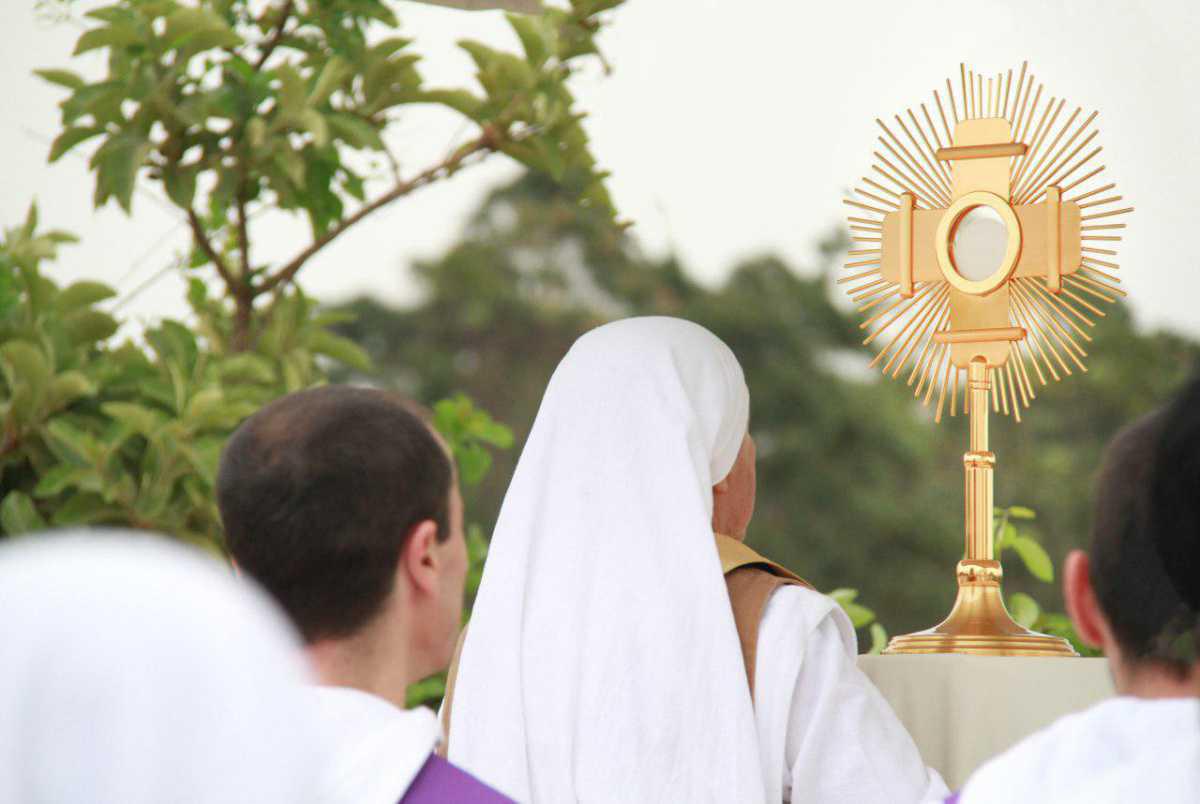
(826, 733)
(134, 671)
(1122, 750)
(602, 662)
(377, 748)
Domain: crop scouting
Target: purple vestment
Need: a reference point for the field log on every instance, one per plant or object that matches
(439, 782)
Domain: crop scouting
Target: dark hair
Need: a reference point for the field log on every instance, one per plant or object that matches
(1145, 555)
(318, 493)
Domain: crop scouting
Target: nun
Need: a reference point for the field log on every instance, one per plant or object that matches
(625, 644)
(137, 671)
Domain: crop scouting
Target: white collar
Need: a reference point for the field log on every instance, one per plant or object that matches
(374, 749)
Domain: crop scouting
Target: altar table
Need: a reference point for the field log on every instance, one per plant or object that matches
(962, 710)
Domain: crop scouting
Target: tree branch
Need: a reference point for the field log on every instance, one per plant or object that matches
(276, 36)
(207, 247)
(447, 167)
(243, 239)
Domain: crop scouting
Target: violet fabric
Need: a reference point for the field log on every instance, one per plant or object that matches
(953, 799)
(439, 782)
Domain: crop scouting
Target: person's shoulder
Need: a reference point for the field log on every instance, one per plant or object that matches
(802, 610)
(441, 781)
(1037, 764)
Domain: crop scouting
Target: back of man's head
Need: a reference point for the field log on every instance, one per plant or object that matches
(318, 493)
(1145, 553)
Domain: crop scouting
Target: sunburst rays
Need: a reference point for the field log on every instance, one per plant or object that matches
(1061, 152)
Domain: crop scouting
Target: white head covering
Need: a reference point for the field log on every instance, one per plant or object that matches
(134, 671)
(602, 662)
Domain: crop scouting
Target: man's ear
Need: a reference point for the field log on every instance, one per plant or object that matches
(1081, 601)
(419, 561)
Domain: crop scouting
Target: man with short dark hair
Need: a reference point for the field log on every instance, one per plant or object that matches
(345, 506)
(1136, 594)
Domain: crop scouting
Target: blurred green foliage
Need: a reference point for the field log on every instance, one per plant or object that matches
(102, 430)
(1012, 530)
(858, 488)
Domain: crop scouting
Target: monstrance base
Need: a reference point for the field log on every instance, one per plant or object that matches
(979, 624)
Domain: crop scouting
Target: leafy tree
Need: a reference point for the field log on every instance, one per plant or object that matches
(237, 107)
(122, 433)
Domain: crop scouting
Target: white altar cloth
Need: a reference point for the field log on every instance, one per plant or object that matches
(961, 710)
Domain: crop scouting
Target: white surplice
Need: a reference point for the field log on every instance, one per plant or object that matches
(824, 730)
(1121, 750)
(374, 748)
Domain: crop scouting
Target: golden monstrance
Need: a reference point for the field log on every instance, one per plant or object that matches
(984, 249)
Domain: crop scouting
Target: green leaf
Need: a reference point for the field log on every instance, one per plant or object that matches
(879, 639)
(473, 463)
(860, 616)
(247, 368)
(83, 294)
(460, 100)
(344, 350)
(112, 36)
(70, 138)
(68, 387)
(532, 32)
(18, 514)
(180, 184)
(314, 122)
(256, 132)
(27, 372)
(138, 418)
(1023, 608)
(70, 443)
(1021, 512)
(23, 363)
(842, 595)
(63, 78)
(426, 692)
(333, 74)
(1005, 537)
(117, 163)
(115, 13)
(199, 29)
(88, 326)
(86, 508)
(357, 132)
(1034, 557)
(292, 94)
(101, 100)
(65, 476)
(494, 433)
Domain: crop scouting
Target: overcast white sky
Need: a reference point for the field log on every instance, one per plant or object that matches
(731, 129)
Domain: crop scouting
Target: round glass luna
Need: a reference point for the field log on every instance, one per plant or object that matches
(978, 243)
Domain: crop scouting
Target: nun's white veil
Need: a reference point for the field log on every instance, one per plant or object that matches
(602, 661)
(133, 671)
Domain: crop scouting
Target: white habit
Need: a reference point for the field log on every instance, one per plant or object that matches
(824, 730)
(602, 663)
(1122, 750)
